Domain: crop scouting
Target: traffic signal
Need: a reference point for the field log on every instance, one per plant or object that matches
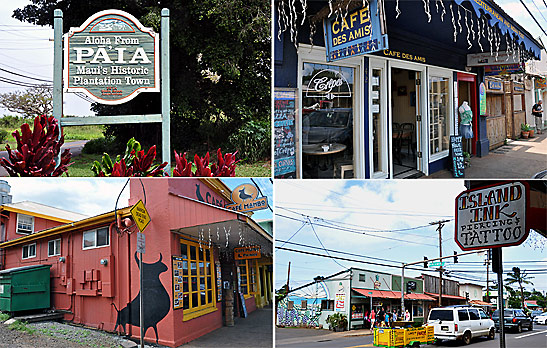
(425, 262)
(455, 257)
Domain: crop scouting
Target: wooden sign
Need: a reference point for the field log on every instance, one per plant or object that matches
(111, 58)
(245, 198)
(245, 253)
(456, 151)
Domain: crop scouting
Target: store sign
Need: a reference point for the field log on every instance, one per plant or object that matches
(339, 302)
(495, 85)
(506, 69)
(482, 99)
(485, 58)
(245, 198)
(328, 84)
(492, 216)
(518, 88)
(111, 58)
(404, 56)
(245, 253)
(355, 34)
(540, 83)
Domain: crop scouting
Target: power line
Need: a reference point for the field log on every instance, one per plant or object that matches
(534, 18)
(25, 76)
(370, 211)
(294, 234)
(320, 242)
(21, 83)
(539, 11)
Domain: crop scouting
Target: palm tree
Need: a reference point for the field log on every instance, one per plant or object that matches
(520, 278)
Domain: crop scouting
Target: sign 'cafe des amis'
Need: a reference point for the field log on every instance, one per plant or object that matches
(111, 58)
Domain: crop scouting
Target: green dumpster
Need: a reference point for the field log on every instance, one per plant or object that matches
(24, 288)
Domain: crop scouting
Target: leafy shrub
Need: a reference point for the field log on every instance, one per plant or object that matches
(100, 145)
(37, 150)
(134, 163)
(253, 140)
(3, 135)
(225, 165)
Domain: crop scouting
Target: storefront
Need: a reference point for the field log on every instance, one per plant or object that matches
(496, 111)
(203, 264)
(383, 114)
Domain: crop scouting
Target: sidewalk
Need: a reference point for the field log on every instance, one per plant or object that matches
(254, 331)
(518, 159)
(287, 336)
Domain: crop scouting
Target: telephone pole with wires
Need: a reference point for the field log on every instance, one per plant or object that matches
(440, 226)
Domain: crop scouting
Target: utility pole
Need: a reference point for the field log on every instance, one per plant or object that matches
(440, 224)
(487, 263)
(288, 275)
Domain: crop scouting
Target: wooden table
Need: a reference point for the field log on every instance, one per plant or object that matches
(316, 152)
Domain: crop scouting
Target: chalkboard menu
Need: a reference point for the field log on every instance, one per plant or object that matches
(456, 150)
(284, 133)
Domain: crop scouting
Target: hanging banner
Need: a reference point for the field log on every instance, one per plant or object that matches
(505, 25)
(339, 302)
(505, 69)
(359, 32)
(482, 99)
(540, 83)
(111, 58)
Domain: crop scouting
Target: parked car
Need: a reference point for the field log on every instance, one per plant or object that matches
(541, 319)
(535, 313)
(460, 323)
(515, 319)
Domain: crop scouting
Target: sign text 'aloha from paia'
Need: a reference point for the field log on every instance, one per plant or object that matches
(492, 216)
(111, 58)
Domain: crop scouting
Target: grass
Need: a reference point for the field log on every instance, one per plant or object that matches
(20, 326)
(4, 317)
(82, 167)
(71, 134)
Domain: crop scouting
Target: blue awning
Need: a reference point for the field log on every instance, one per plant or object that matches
(507, 25)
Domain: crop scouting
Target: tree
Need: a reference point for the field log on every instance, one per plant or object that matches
(519, 278)
(32, 102)
(220, 65)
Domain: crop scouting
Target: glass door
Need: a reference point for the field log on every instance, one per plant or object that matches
(327, 121)
(378, 111)
(440, 114)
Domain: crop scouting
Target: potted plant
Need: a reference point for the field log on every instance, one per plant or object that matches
(525, 130)
(531, 135)
(466, 159)
(337, 322)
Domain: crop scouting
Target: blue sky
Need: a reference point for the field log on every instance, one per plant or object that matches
(380, 205)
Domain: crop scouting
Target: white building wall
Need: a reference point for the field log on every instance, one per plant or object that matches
(339, 284)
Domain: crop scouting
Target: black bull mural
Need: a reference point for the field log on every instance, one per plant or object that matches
(155, 299)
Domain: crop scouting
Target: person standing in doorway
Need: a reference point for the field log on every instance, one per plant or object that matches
(537, 111)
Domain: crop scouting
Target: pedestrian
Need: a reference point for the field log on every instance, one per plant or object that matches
(372, 318)
(407, 315)
(387, 319)
(394, 315)
(537, 111)
(381, 315)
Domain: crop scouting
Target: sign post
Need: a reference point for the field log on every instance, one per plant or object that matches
(142, 219)
(111, 58)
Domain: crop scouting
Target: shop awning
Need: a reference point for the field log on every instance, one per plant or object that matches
(453, 297)
(480, 303)
(391, 294)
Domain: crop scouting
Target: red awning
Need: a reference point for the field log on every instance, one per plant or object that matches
(480, 303)
(446, 296)
(391, 294)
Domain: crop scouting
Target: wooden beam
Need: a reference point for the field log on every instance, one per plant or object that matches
(118, 119)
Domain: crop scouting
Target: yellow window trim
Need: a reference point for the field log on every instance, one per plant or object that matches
(192, 314)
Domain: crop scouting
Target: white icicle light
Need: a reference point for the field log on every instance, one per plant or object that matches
(397, 9)
(472, 27)
(304, 8)
(507, 45)
(330, 7)
(468, 32)
(444, 11)
(454, 23)
(459, 18)
(427, 10)
(479, 34)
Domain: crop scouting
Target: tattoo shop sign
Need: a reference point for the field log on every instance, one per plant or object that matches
(111, 58)
(492, 216)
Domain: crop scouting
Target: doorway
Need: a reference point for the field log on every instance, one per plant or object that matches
(405, 121)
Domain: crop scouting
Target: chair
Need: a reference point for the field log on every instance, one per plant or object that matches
(407, 137)
(397, 142)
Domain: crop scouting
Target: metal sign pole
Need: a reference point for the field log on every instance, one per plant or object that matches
(403, 291)
(165, 91)
(58, 72)
(498, 260)
(141, 303)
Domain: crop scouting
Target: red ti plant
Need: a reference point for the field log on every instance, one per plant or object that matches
(37, 150)
(225, 165)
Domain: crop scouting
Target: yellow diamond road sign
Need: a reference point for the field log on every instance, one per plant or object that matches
(140, 215)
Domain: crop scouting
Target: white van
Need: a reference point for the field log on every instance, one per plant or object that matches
(460, 323)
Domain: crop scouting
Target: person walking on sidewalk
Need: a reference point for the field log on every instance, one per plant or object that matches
(537, 111)
(372, 318)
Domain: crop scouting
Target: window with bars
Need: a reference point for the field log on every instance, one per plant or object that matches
(25, 224)
(248, 277)
(198, 283)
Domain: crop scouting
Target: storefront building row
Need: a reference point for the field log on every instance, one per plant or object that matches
(390, 113)
(195, 279)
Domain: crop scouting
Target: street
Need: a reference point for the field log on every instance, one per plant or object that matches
(323, 338)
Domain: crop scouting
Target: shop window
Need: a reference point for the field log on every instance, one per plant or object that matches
(54, 247)
(29, 251)
(327, 305)
(95, 238)
(247, 277)
(290, 305)
(198, 283)
(327, 121)
(417, 311)
(304, 304)
(439, 115)
(362, 277)
(25, 224)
